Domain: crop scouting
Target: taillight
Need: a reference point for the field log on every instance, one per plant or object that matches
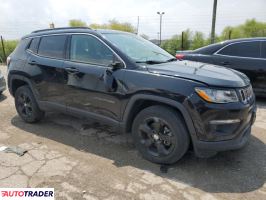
(8, 60)
(179, 56)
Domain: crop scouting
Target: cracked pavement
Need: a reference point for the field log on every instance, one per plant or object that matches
(86, 160)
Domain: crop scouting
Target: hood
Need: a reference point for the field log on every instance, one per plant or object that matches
(211, 75)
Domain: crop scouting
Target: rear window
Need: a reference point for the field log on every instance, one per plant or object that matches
(243, 49)
(34, 45)
(52, 46)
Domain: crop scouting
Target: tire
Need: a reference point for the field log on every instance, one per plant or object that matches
(160, 135)
(26, 105)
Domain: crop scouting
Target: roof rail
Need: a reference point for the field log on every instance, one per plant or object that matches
(62, 28)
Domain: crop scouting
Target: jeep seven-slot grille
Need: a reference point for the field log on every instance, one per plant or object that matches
(246, 94)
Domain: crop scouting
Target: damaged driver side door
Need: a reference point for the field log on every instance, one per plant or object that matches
(94, 84)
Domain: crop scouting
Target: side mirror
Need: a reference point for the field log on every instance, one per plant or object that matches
(116, 65)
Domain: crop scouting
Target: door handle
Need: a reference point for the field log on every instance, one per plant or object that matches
(33, 62)
(72, 70)
(225, 63)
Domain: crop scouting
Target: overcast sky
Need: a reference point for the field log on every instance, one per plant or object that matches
(19, 17)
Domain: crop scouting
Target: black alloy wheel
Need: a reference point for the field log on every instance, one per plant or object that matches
(156, 136)
(160, 134)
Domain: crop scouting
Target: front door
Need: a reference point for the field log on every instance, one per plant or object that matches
(89, 59)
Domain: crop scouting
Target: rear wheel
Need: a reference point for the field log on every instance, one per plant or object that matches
(160, 135)
(27, 106)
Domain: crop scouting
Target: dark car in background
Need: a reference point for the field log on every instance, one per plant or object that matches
(123, 80)
(245, 55)
(2, 83)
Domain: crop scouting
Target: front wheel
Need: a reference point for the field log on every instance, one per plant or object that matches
(160, 135)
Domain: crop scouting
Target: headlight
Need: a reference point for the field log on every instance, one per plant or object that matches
(217, 95)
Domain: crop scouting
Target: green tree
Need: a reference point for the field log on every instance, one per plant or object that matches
(115, 25)
(175, 43)
(76, 23)
(98, 26)
(251, 28)
(172, 45)
(187, 35)
(9, 45)
(198, 40)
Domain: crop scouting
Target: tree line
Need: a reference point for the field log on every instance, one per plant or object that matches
(186, 40)
(193, 40)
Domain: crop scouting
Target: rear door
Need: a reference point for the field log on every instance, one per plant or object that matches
(45, 63)
(244, 57)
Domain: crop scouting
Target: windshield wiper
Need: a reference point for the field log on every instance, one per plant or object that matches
(149, 61)
(171, 60)
(156, 61)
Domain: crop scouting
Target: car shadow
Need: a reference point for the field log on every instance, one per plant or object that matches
(230, 172)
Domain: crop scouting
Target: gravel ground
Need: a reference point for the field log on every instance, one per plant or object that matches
(85, 160)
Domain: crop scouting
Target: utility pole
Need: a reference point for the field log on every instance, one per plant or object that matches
(3, 47)
(182, 41)
(161, 16)
(158, 39)
(213, 21)
(138, 26)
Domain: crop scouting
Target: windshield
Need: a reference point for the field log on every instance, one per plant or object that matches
(137, 48)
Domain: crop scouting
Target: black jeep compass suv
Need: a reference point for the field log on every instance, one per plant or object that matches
(124, 80)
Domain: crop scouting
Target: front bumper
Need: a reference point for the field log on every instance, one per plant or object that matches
(221, 127)
(2, 84)
(232, 144)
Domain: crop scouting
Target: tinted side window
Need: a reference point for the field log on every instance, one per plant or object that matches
(34, 45)
(243, 49)
(85, 48)
(20, 51)
(52, 46)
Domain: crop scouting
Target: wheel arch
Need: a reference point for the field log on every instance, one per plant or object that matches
(15, 81)
(141, 101)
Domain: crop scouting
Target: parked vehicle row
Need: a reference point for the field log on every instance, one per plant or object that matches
(245, 55)
(121, 79)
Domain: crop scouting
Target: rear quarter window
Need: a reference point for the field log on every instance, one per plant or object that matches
(33, 47)
(52, 46)
(242, 49)
(20, 50)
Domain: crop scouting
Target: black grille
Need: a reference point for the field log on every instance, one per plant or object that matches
(246, 94)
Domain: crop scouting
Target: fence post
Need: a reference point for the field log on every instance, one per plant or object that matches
(182, 41)
(229, 34)
(3, 47)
